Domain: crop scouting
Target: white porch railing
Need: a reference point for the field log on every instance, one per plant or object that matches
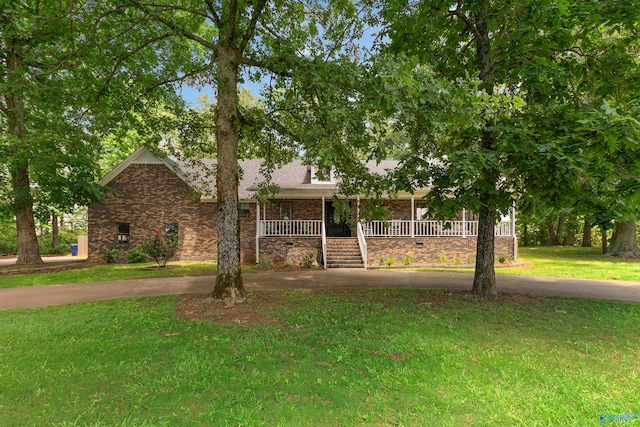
(391, 228)
(289, 228)
(429, 228)
(503, 228)
(362, 243)
(324, 245)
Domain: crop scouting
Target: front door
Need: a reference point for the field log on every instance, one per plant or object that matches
(335, 226)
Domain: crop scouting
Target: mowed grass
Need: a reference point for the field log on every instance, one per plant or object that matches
(358, 358)
(585, 263)
(554, 261)
(108, 272)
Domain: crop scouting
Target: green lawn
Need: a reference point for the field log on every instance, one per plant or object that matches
(107, 272)
(582, 263)
(365, 358)
(586, 263)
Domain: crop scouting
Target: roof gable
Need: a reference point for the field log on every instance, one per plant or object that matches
(141, 156)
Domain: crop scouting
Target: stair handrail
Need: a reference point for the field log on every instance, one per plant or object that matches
(362, 243)
(324, 247)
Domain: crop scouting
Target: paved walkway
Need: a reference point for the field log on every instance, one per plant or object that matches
(38, 296)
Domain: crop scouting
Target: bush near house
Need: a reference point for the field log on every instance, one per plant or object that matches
(159, 249)
(137, 256)
(111, 255)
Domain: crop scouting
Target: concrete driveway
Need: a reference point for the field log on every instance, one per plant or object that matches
(47, 259)
(37, 296)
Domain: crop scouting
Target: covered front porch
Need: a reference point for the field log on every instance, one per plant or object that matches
(290, 222)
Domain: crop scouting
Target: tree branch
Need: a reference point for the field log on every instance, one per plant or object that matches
(468, 23)
(258, 9)
(267, 65)
(214, 15)
(165, 7)
(173, 27)
(128, 54)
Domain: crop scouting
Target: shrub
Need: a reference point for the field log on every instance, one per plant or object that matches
(408, 258)
(457, 261)
(8, 237)
(391, 261)
(111, 255)
(137, 256)
(308, 260)
(8, 246)
(266, 262)
(64, 240)
(159, 249)
(502, 258)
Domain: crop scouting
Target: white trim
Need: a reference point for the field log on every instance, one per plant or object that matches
(142, 156)
(316, 193)
(257, 232)
(314, 176)
(413, 217)
(515, 236)
(464, 223)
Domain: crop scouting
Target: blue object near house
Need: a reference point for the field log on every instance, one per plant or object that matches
(74, 249)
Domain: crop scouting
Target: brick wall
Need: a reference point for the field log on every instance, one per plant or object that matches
(294, 249)
(147, 196)
(431, 250)
(301, 209)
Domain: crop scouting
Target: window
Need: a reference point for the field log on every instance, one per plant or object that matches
(321, 175)
(421, 214)
(470, 216)
(286, 210)
(124, 236)
(171, 230)
(244, 210)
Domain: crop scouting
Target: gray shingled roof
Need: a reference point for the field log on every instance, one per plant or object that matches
(291, 176)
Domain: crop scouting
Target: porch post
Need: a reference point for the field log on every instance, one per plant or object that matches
(513, 232)
(257, 232)
(464, 223)
(358, 209)
(322, 208)
(413, 217)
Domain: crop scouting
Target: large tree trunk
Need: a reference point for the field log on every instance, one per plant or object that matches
(484, 280)
(28, 251)
(554, 236)
(586, 234)
(625, 242)
(55, 241)
(229, 285)
(569, 238)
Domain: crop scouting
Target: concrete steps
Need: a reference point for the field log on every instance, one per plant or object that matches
(343, 252)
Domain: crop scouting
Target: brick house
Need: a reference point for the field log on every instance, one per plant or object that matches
(147, 194)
